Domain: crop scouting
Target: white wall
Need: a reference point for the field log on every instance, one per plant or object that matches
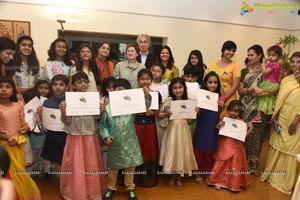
(183, 35)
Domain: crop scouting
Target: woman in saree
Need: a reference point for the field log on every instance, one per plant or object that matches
(248, 91)
(282, 168)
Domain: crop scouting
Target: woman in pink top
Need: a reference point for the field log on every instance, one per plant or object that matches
(270, 75)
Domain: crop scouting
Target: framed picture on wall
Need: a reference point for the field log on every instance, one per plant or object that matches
(14, 29)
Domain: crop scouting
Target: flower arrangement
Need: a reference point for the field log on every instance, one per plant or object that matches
(286, 42)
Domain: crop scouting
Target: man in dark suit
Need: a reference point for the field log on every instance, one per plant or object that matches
(145, 57)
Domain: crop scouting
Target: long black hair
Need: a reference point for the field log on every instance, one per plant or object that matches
(171, 60)
(92, 63)
(6, 43)
(180, 81)
(33, 62)
(204, 83)
(52, 53)
(200, 65)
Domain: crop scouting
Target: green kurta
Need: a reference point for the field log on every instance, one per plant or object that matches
(125, 151)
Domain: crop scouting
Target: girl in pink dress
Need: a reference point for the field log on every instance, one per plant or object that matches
(82, 172)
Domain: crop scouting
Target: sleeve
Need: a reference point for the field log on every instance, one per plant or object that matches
(21, 111)
(111, 67)
(45, 73)
(176, 72)
(104, 126)
(236, 70)
(244, 72)
(117, 71)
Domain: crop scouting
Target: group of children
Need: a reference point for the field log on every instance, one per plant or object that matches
(138, 143)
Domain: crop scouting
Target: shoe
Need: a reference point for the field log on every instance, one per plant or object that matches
(256, 119)
(199, 180)
(218, 187)
(132, 195)
(108, 195)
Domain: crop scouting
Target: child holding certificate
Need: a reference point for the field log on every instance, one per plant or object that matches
(230, 169)
(206, 134)
(82, 165)
(146, 131)
(12, 137)
(55, 140)
(124, 151)
(176, 155)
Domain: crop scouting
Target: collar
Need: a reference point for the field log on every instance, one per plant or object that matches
(144, 54)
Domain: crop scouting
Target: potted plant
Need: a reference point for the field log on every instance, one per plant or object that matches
(286, 42)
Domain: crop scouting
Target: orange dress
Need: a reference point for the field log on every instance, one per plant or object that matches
(230, 169)
(11, 118)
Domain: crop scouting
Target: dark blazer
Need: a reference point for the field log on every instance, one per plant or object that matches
(150, 60)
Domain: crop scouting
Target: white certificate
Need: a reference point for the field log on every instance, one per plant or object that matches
(183, 109)
(207, 100)
(234, 128)
(192, 89)
(82, 103)
(154, 101)
(42, 99)
(30, 111)
(51, 119)
(163, 90)
(125, 102)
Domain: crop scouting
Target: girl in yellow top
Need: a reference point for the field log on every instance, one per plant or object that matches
(167, 60)
(229, 72)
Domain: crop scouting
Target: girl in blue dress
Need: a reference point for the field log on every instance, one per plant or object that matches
(206, 134)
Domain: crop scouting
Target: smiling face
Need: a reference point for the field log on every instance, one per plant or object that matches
(85, 54)
(60, 49)
(164, 55)
(7, 55)
(25, 47)
(295, 64)
(178, 90)
(229, 53)
(6, 91)
(212, 83)
(131, 53)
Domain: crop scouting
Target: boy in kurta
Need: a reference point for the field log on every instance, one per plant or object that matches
(124, 151)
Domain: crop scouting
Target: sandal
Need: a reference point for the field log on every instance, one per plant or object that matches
(199, 180)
